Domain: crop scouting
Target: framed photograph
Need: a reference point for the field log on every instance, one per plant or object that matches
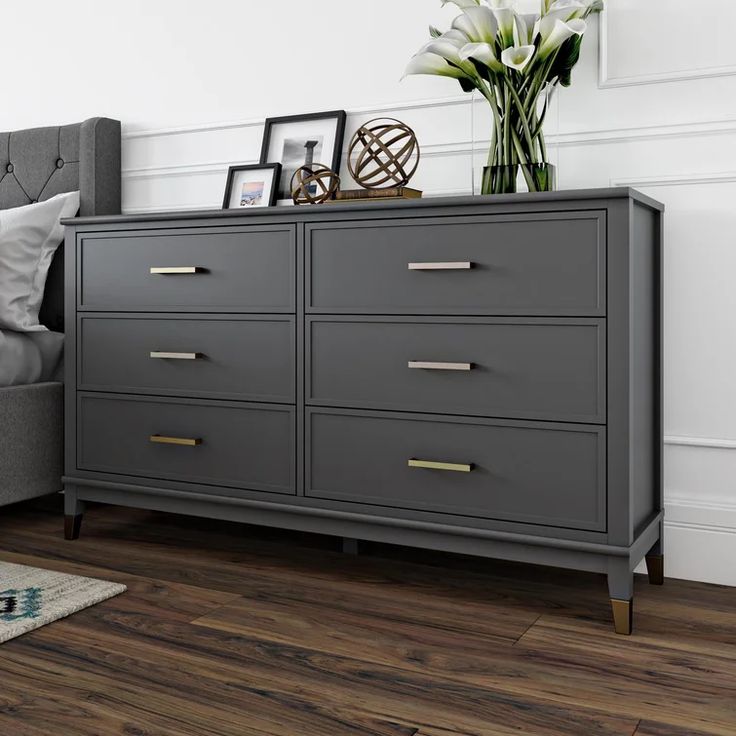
(299, 140)
(254, 185)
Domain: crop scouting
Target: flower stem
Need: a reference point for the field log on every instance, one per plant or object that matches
(522, 116)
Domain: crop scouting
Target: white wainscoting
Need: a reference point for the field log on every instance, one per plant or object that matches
(662, 37)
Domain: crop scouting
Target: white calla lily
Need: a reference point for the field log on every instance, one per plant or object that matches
(518, 57)
(483, 52)
(524, 29)
(466, 26)
(456, 38)
(484, 22)
(462, 4)
(567, 9)
(505, 17)
(449, 50)
(555, 32)
(428, 63)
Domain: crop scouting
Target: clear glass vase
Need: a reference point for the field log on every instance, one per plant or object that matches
(535, 177)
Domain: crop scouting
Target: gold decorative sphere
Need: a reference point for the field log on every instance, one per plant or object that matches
(314, 184)
(384, 152)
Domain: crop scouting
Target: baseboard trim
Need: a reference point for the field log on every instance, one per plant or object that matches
(700, 541)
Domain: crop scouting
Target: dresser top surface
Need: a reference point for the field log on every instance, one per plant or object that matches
(487, 203)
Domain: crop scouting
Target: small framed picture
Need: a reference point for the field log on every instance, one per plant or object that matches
(301, 140)
(251, 186)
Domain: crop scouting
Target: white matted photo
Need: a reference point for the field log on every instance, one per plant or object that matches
(302, 140)
(253, 185)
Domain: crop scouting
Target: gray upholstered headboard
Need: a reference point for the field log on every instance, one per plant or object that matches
(38, 163)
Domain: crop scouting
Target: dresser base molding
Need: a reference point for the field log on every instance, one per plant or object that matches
(617, 562)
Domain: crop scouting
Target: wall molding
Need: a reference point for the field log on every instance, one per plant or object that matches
(683, 75)
(715, 443)
(676, 180)
(217, 126)
(707, 515)
(466, 147)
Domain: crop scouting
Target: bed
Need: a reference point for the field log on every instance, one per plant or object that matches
(35, 165)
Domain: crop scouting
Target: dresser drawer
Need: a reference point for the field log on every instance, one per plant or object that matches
(537, 264)
(536, 473)
(204, 270)
(211, 443)
(237, 357)
(550, 369)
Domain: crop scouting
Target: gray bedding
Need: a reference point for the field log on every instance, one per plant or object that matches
(27, 358)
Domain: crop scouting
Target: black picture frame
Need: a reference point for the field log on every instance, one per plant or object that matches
(340, 117)
(275, 175)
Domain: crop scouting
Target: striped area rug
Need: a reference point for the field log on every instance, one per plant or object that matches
(31, 597)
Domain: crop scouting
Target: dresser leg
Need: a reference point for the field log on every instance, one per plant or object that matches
(655, 564)
(73, 513)
(72, 526)
(621, 590)
(350, 546)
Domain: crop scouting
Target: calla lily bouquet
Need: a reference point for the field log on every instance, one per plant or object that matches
(515, 61)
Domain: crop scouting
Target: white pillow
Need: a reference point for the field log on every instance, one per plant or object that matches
(29, 237)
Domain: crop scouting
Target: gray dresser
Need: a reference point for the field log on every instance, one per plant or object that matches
(477, 375)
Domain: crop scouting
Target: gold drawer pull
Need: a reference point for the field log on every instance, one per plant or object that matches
(175, 356)
(432, 465)
(182, 441)
(448, 266)
(430, 366)
(177, 270)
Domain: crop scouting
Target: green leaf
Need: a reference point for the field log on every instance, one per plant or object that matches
(567, 57)
(483, 71)
(466, 84)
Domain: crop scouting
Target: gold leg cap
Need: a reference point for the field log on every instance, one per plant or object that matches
(623, 616)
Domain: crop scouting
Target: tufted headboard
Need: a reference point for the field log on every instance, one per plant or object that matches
(38, 163)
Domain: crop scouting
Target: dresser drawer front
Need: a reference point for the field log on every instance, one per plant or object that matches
(204, 270)
(245, 358)
(548, 474)
(211, 443)
(552, 369)
(551, 264)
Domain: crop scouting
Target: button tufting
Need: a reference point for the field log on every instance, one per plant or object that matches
(59, 163)
(33, 201)
(9, 168)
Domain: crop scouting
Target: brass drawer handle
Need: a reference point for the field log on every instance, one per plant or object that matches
(176, 270)
(430, 366)
(175, 356)
(432, 465)
(446, 266)
(158, 439)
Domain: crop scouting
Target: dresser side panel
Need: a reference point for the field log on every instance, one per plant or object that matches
(619, 308)
(645, 365)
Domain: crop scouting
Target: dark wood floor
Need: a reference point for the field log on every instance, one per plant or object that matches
(233, 630)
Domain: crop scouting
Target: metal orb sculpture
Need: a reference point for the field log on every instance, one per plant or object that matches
(314, 184)
(384, 152)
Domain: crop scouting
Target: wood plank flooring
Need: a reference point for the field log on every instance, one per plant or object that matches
(233, 630)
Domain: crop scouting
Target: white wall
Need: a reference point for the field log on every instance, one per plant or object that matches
(656, 108)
